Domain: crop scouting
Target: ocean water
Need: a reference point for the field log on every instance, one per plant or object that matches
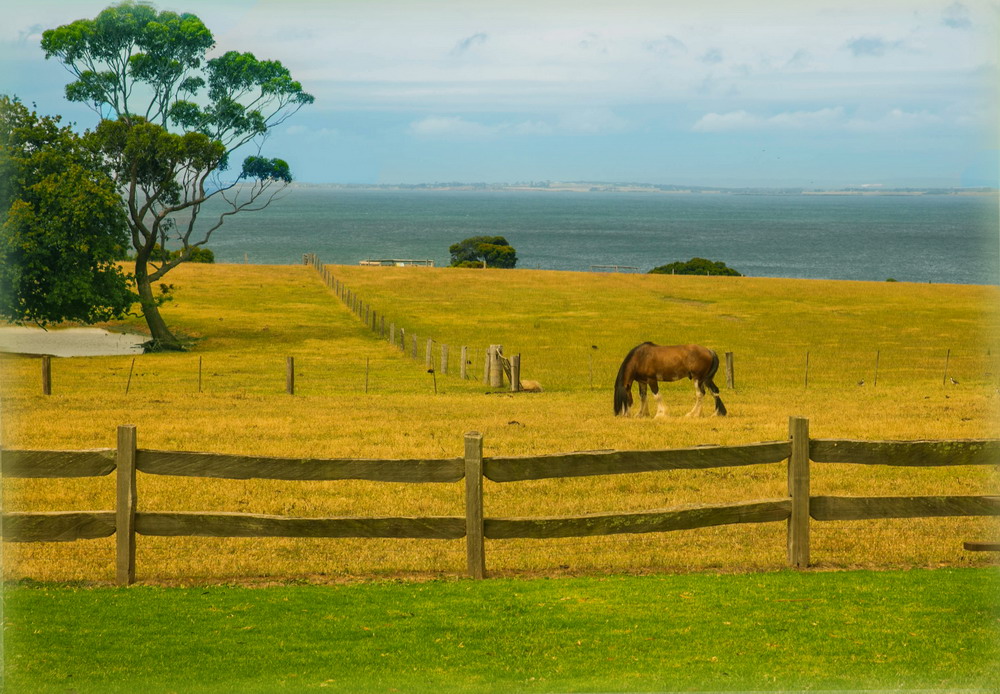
(916, 238)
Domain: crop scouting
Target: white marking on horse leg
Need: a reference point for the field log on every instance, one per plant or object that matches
(699, 394)
(661, 411)
(644, 409)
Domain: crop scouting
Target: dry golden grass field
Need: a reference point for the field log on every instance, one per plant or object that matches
(357, 396)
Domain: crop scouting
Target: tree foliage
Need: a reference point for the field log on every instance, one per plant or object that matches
(696, 266)
(170, 121)
(62, 226)
(483, 251)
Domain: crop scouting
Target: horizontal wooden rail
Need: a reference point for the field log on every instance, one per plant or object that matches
(254, 525)
(57, 526)
(586, 463)
(242, 467)
(643, 522)
(25, 463)
(830, 508)
(915, 453)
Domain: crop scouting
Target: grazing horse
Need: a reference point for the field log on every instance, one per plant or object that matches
(647, 364)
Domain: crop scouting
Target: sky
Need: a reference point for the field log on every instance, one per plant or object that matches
(813, 93)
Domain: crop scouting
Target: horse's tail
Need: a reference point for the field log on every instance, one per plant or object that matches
(720, 409)
(621, 392)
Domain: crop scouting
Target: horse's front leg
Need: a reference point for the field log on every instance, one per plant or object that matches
(643, 403)
(661, 411)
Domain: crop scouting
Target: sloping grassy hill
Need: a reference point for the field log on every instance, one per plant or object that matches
(246, 319)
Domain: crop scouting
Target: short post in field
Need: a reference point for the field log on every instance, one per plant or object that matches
(125, 506)
(486, 366)
(496, 367)
(46, 375)
(515, 373)
(730, 378)
(413, 352)
(290, 375)
(806, 383)
(798, 490)
(428, 356)
(463, 371)
(444, 359)
(392, 334)
(474, 537)
(947, 358)
(875, 381)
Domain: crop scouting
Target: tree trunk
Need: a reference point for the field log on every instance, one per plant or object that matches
(161, 337)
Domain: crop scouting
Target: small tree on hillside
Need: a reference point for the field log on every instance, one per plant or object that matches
(696, 266)
(171, 120)
(483, 251)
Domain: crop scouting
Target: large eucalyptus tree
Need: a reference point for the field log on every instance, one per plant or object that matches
(170, 120)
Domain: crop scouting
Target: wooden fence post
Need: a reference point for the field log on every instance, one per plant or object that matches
(444, 359)
(463, 371)
(486, 366)
(496, 369)
(798, 490)
(428, 357)
(290, 375)
(730, 379)
(413, 352)
(125, 507)
(515, 373)
(46, 375)
(474, 544)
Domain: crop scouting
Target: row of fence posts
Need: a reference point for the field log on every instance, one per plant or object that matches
(495, 367)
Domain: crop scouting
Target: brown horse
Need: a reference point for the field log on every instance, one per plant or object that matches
(647, 364)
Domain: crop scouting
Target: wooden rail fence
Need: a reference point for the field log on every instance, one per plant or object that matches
(796, 509)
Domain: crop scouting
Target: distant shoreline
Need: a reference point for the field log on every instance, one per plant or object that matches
(597, 187)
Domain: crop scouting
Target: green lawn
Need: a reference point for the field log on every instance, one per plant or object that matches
(917, 629)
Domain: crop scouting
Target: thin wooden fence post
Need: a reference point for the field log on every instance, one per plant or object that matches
(428, 357)
(798, 490)
(46, 375)
(444, 359)
(290, 375)
(392, 334)
(463, 371)
(413, 352)
(730, 378)
(947, 358)
(474, 537)
(515, 373)
(486, 365)
(125, 505)
(877, 354)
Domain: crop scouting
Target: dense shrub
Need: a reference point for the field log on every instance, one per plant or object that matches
(696, 266)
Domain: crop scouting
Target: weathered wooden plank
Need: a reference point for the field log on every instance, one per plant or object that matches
(474, 546)
(644, 522)
(241, 467)
(825, 508)
(982, 546)
(255, 525)
(24, 463)
(586, 463)
(57, 526)
(915, 453)
(126, 500)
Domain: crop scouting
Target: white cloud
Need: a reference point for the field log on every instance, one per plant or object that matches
(458, 128)
(826, 119)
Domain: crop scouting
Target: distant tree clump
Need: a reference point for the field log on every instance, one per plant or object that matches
(696, 266)
(483, 251)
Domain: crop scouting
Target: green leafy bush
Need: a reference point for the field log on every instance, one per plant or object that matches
(696, 266)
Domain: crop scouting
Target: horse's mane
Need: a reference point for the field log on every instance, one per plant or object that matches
(620, 393)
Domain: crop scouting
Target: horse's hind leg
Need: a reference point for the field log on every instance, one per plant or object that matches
(699, 395)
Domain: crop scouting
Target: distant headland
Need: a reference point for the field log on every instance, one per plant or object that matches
(602, 187)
